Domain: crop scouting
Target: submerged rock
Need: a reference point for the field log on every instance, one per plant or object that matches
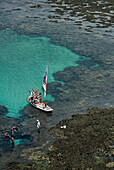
(3, 109)
(85, 143)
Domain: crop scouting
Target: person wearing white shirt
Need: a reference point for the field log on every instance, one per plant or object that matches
(38, 126)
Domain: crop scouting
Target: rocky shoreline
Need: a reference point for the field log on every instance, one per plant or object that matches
(85, 143)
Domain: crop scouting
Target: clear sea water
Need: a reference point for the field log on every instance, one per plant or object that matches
(20, 141)
(23, 58)
(23, 61)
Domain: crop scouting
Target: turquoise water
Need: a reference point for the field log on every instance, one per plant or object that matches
(23, 61)
(20, 141)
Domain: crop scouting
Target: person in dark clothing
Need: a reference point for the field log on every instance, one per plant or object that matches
(14, 129)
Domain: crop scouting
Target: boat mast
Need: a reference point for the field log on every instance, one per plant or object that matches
(46, 82)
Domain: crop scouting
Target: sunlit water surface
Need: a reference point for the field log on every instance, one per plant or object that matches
(23, 63)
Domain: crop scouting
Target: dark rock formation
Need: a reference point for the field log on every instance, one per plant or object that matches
(3, 109)
(85, 143)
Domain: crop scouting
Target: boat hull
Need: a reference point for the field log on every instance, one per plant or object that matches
(41, 106)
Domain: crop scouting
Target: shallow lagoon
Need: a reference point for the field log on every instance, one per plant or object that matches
(23, 63)
(88, 85)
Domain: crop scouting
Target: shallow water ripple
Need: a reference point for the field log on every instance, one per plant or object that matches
(88, 15)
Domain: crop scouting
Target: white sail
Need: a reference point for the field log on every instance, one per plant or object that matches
(45, 78)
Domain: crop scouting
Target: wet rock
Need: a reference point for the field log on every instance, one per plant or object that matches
(88, 139)
(3, 109)
(35, 6)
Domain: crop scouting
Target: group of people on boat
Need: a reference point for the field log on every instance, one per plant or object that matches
(35, 97)
(7, 135)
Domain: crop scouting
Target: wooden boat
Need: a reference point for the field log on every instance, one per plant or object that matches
(41, 106)
(38, 104)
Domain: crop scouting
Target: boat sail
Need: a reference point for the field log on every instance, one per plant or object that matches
(35, 102)
(45, 79)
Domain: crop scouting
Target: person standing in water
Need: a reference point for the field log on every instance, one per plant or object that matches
(7, 135)
(38, 127)
(14, 129)
(11, 137)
